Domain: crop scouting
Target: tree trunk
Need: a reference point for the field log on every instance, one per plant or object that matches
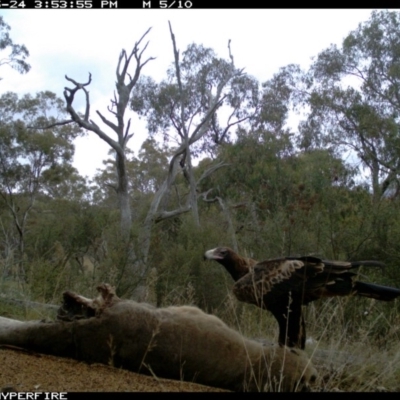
(123, 197)
(193, 191)
(376, 187)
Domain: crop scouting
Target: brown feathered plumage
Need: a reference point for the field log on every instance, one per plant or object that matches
(283, 285)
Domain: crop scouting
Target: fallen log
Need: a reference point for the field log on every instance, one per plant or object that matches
(175, 342)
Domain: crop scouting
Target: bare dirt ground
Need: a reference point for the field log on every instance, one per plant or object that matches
(32, 372)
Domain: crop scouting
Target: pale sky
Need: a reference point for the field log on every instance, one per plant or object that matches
(75, 42)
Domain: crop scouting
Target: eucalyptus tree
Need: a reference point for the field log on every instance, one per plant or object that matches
(198, 106)
(17, 52)
(30, 159)
(354, 99)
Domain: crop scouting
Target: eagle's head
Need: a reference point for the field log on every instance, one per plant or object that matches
(218, 254)
(235, 264)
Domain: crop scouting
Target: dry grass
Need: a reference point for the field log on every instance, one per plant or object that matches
(352, 349)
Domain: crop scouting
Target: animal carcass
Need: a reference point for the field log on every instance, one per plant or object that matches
(173, 342)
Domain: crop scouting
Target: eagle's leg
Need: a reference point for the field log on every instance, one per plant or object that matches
(292, 329)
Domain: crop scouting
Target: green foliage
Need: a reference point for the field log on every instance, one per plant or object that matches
(287, 203)
(354, 99)
(32, 161)
(173, 110)
(178, 247)
(18, 53)
(146, 171)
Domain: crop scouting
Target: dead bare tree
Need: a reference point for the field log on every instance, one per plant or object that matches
(120, 128)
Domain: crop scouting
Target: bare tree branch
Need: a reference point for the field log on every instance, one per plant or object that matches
(60, 123)
(107, 122)
(169, 214)
(211, 170)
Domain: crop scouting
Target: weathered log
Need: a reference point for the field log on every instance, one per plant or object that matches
(174, 342)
